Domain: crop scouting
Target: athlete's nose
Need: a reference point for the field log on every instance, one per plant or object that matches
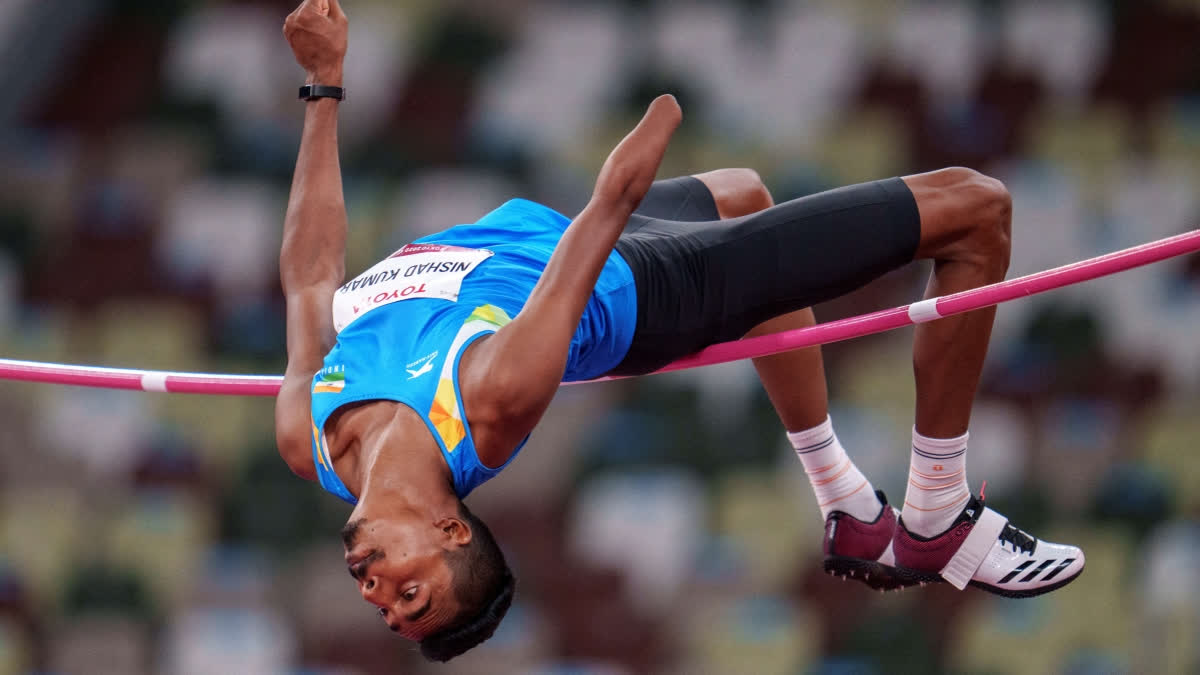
(372, 591)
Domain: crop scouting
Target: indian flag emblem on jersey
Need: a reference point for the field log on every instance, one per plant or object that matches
(331, 380)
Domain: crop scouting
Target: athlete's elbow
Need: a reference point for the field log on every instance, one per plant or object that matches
(297, 454)
(294, 447)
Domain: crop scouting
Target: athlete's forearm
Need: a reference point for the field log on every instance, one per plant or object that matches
(314, 230)
(525, 360)
(565, 286)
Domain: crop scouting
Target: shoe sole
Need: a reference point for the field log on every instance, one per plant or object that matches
(873, 573)
(911, 577)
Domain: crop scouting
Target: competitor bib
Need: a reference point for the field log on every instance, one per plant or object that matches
(415, 271)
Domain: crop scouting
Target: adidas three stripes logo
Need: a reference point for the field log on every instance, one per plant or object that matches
(1036, 571)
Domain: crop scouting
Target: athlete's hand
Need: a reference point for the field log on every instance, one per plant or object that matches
(632, 165)
(316, 32)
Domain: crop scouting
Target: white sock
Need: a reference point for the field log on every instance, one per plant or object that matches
(836, 481)
(937, 484)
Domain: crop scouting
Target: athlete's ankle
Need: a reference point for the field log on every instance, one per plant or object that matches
(937, 484)
(837, 483)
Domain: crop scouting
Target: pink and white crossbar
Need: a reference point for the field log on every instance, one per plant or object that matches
(833, 331)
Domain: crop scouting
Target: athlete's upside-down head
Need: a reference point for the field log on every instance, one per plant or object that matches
(445, 584)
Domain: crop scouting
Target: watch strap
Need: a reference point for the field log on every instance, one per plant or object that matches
(311, 92)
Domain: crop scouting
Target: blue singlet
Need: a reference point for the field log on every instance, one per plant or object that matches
(403, 326)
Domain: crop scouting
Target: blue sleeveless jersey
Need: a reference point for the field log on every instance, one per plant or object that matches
(404, 324)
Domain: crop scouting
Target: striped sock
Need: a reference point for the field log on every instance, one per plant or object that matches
(937, 484)
(836, 481)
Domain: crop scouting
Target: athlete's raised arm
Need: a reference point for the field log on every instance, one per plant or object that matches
(312, 256)
(520, 367)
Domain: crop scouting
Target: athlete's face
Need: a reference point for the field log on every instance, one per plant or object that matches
(400, 568)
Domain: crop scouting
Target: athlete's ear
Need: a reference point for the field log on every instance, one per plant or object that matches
(455, 531)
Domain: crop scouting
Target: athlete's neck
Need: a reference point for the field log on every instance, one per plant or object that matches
(389, 454)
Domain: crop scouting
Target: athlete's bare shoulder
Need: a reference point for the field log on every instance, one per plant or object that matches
(493, 427)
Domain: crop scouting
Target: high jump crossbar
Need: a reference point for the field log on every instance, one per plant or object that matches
(764, 345)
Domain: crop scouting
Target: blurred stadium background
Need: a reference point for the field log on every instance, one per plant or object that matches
(656, 526)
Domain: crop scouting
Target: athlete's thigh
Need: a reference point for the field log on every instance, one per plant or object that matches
(706, 282)
(804, 252)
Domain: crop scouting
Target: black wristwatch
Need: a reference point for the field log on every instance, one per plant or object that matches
(312, 92)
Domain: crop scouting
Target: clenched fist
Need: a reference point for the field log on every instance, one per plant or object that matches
(316, 32)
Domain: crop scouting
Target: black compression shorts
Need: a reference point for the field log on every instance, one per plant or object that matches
(702, 280)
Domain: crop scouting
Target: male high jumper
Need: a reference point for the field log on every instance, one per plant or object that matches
(423, 377)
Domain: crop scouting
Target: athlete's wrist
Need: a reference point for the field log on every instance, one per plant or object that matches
(331, 75)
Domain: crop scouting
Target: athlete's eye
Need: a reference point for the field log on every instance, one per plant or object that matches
(410, 594)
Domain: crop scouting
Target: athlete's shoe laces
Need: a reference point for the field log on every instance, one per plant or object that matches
(1020, 540)
(982, 549)
(861, 550)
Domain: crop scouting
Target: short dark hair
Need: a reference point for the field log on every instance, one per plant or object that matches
(483, 585)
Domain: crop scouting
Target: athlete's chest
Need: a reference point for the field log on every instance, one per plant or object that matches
(351, 429)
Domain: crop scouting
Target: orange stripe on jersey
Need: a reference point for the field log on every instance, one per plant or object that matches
(317, 441)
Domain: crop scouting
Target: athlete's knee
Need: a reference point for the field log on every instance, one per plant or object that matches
(969, 217)
(737, 192)
(991, 234)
